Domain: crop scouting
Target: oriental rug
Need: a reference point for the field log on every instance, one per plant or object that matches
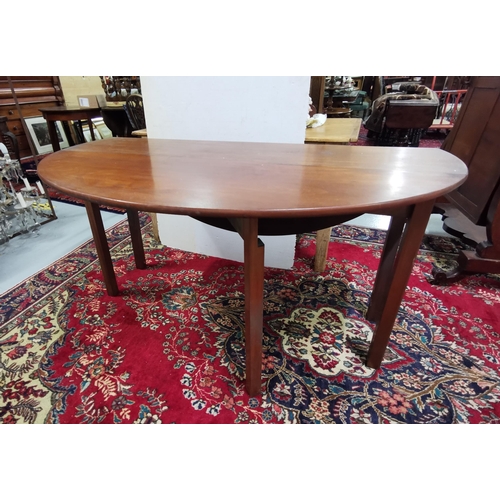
(170, 347)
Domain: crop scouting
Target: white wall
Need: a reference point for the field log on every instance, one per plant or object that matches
(248, 109)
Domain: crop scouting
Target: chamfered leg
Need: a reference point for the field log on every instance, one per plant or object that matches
(385, 269)
(408, 248)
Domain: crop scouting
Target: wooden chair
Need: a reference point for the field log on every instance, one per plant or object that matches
(117, 120)
(134, 108)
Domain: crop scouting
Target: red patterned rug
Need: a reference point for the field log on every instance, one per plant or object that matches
(170, 348)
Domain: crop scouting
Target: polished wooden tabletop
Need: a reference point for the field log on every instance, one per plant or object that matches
(231, 179)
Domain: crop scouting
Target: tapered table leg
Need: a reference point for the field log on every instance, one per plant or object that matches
(254, 303)
(401, 271)
(101, 243)
(385, 270)
(322, 242)
(136, 237)
(51, 127)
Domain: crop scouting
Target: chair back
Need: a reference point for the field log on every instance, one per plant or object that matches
(410, 114)
(135, 111)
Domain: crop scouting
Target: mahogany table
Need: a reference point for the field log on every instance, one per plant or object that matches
(65, 113)
(263, 189)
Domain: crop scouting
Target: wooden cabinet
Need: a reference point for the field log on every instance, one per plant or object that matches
(33, 92)
(317, 92)
(475, 140)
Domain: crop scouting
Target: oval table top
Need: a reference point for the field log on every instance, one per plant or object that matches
(240, 179)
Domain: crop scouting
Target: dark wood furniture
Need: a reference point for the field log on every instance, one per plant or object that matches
(65, 114)
(317, 92)
(405, 121)
(116, 119)
(263, 189)
(475, 139)
(32, 92)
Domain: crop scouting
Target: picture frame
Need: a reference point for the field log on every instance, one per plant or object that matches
(86, 133)
(101, 127)
(39, 131)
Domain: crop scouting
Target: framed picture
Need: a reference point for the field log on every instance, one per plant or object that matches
(86, 133)
(39, 132)
(103, 130)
